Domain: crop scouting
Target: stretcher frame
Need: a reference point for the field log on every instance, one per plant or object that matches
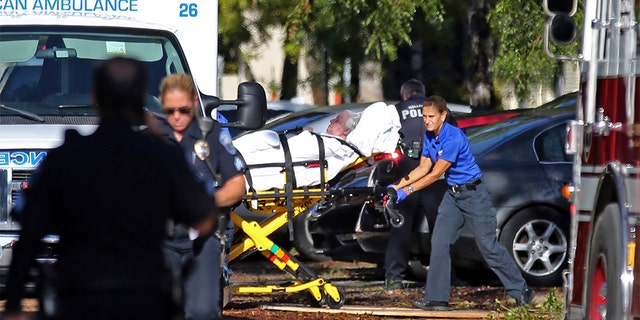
(285, 205)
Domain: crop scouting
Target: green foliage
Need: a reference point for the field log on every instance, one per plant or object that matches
(378, 26)
(553, 305)
(518, 28)
(374, 29)
(551, 309)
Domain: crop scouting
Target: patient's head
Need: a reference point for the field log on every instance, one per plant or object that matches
(343, 124)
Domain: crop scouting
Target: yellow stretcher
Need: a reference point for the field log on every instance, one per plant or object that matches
(284, 205)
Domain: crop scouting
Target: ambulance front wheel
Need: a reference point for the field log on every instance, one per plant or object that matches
(605, 283)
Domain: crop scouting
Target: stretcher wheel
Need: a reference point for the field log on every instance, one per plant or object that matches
(395, 217)
(315, 302)
(396, 220)
(336, 304)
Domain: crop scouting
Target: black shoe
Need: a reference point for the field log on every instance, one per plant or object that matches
(526, 298)
(390, 286)
(432, 305)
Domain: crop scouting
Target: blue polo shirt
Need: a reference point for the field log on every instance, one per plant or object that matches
(452, 145)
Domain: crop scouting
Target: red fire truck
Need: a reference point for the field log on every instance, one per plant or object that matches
(603, 279)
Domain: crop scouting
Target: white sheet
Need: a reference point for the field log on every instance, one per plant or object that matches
(376, 132)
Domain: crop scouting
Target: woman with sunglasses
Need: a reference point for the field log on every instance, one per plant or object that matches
(222, 169)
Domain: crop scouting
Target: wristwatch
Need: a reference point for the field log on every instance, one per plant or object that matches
(409, 189)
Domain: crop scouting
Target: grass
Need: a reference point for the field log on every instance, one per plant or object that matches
(551, 309)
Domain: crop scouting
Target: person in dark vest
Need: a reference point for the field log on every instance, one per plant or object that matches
(200, 256)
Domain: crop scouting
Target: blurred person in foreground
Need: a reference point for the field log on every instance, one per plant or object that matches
(446, 151)
(199, 256)
(108, 196)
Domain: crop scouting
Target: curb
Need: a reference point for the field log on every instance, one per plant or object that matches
(385, 311)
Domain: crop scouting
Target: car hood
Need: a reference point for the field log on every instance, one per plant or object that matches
(37, 136)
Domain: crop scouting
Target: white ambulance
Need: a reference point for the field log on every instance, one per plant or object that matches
(48, 49)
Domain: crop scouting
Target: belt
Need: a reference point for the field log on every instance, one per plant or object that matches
(467, 186)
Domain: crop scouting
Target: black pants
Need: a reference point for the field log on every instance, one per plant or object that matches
(134, 304)
(475, 208)
(200, 273)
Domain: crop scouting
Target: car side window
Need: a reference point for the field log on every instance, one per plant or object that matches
(518, 149)
(550, 145)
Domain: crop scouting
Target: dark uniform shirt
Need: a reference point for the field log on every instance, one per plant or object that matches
(108, 196)
(412, 131)
(223, 158)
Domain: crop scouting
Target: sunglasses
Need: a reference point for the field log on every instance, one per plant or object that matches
(181, 110)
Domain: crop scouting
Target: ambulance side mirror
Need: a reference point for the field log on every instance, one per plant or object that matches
(251, 103)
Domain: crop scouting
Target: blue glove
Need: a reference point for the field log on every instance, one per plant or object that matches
(401, 195)
(396, 195)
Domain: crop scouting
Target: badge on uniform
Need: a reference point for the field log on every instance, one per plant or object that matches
(201, 149)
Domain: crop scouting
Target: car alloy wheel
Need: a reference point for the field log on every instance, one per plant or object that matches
(538, 241)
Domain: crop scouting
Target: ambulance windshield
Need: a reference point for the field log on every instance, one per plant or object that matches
(47, 71)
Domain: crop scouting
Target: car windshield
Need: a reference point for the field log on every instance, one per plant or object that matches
(297, 121)
(48, 72)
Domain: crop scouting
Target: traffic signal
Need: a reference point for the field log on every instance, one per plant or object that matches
(560, 26)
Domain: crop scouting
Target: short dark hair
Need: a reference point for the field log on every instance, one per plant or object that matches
(120, 85)
(411, 87)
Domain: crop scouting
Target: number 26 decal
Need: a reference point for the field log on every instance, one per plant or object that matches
(188, 10)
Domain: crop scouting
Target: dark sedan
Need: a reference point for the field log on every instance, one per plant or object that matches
(524, 166)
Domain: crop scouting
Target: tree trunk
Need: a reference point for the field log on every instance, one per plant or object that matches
(479, 84)
(317, 64)
(417, 48)
(354, 83)
(289, 79)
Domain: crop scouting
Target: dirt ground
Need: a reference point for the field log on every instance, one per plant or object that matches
(362, 284)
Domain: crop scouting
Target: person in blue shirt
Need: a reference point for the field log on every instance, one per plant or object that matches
(424, 202)
(446, 151)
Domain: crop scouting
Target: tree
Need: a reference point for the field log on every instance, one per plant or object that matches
(480, 84)
(438, 55)
(496, 42)
(518, 26)
(332, 30)
(360, 30)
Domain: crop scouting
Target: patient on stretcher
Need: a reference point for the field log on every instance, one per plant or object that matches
(345, 140)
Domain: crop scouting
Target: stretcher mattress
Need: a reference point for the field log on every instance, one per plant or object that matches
(377, 131)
